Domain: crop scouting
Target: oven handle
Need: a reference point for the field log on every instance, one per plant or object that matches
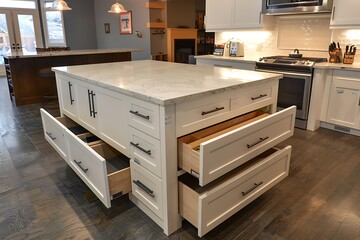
(284, 73)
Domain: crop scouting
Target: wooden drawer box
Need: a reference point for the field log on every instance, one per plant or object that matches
(210, 153)
(207, 207)
(103, 169)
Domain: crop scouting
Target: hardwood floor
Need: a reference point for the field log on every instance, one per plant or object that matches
(42, 198)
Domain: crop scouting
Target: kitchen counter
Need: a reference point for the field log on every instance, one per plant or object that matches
(246, 59)
(164, 82)
(327, 65)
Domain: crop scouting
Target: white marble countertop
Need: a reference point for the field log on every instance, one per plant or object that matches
(349, 67)
(248, 59)
(68, 53)
(163, 82)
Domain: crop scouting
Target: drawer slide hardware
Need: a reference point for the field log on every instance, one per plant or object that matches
(256, 185)
(50, 135)
(70, 93)
(140, 148)
(214, 110)
(145, 188)
(81, 167)
(140, 115)
(258, 97)
(256, 143)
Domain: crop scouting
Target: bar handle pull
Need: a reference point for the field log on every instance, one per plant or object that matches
(90, 103)
(140, 148)
(257, 142)
(214, 110)
(256, 185)
(50, 135)
(93, 103)
(70, 93)
(145, 188)
(140, 115)
(333, 14)
(258, 97)
(81, 167)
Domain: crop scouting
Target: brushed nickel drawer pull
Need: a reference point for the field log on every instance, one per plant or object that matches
(140, 115)
(214, 110)
(81, 167)
(260, 96)
(256, 185)
(90, 110)
(70, 93)
(256, 143)
(93, 104)
(50, 135)
(140, 148)
(137, 161)
(145, 188)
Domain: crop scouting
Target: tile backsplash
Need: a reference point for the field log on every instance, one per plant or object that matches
(308, 33)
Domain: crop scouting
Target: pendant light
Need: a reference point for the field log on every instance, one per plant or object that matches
(59, 5)
(117, 8)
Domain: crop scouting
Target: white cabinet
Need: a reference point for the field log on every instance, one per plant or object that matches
(344, 100)
(235, 14)
(345, 14)
(67, 95)
(87, 106)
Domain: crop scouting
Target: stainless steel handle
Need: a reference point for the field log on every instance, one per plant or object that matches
(70, 93)
(211, 111)
(50, 135)
(333, 14)
(225, 66)
(93, 103)
(284, 73)
(257, 142)
(340, 91)
(260, 17)
(145, 188)
(90, 103)
(260, 96)
(137, 161)
(256, 185)
(140, 148)
(81, 167)
(140, 115)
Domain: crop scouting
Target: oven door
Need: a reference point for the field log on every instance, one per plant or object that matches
(294, 89)
(292, 3)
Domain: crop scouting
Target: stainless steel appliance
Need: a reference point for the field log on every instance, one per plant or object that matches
(295, 86)
(278, 7)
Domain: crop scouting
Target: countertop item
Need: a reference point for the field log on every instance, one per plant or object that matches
(67, 53)
(163, 82)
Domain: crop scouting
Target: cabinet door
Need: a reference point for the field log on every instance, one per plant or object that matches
(344, 109)
(86, 106)
(345, 14)
(112, 124)
(67, 96)
(219, 14)
(248, 14)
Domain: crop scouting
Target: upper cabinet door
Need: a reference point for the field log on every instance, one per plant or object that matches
(345, 14)
(248, 13)
(219, 14)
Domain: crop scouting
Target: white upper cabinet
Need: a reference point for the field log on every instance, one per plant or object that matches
(345, 14)
(234, 15)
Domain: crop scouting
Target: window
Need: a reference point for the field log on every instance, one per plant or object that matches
(54, 26)
(28, 4)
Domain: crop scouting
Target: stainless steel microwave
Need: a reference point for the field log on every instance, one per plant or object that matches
(279, 7)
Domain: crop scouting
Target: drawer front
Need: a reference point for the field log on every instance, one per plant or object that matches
(194, 115)
(147, 188)
(254, 98)
(145, 151)
(207, 208)
(144, 116)
(53, 131)
(228, 151)
(90, 167)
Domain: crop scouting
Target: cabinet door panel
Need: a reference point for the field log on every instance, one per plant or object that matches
(345, 14)
(219, 14)
(85, 107)
(67, 95)
(248, 13)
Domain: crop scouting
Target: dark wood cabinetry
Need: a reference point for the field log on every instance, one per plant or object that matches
(205, 42)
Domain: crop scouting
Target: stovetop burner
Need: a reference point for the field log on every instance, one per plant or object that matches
(304, 61)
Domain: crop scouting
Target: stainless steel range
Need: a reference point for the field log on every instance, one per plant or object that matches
(295, 86)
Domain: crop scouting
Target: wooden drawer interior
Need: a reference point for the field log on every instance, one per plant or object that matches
(189, 145)
(117, 166)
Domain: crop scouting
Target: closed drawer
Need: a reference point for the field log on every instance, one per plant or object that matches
(144, 116)
(145, 151)
(214, 151)
(146, 187)
(197, 114)
(103, 169)
(53, 130)
(207, 207)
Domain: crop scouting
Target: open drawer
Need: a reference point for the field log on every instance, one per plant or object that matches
(207, 207)
(103, 169)
(210, 153)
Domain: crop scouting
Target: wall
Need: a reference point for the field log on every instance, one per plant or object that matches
(80, 25)
(181, 13)
(140, 16)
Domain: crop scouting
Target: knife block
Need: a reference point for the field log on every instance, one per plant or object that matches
(335, 56)
(349, 58)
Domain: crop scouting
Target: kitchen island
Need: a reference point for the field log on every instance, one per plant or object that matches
(174, 129)
(23, 69)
